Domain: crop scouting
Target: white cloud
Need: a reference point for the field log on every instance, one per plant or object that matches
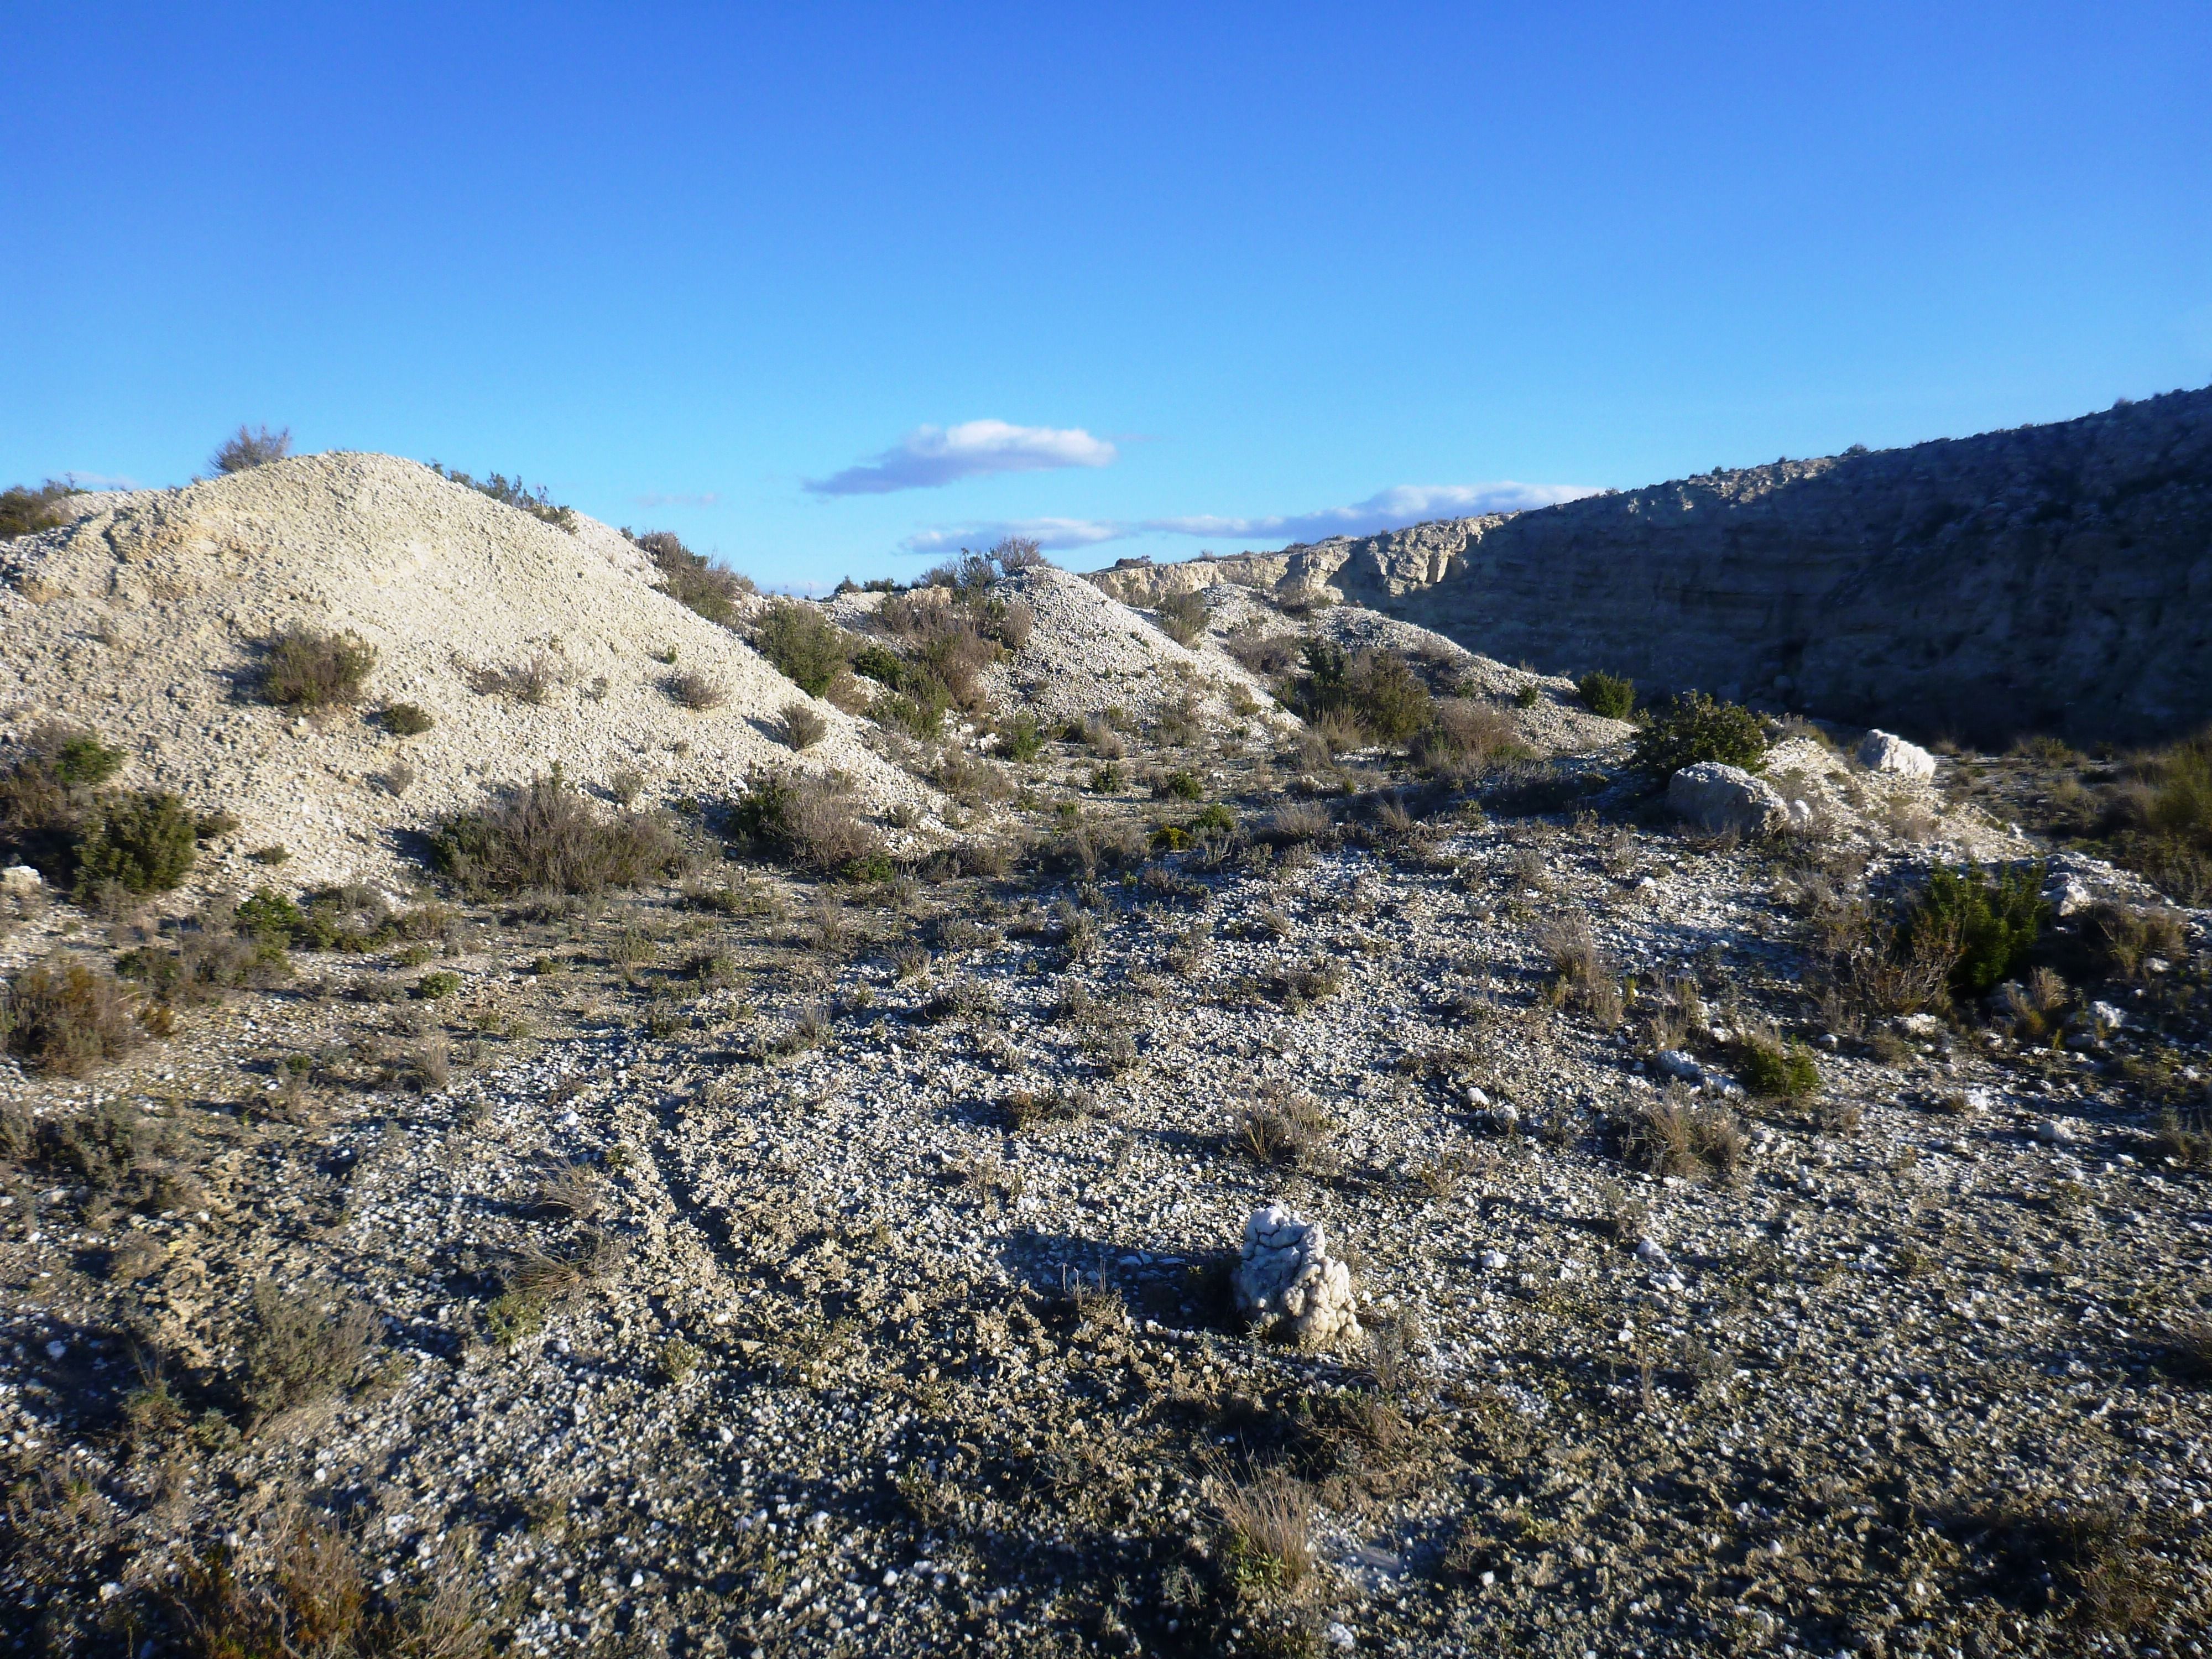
(1049, 533)
(656, 498)
(1389, 509)
(932, 455)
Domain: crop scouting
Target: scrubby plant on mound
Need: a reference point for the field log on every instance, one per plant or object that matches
(1464, 736)
(800, 727)
(1609, 695)
(1183, 617)
(1986, 925)
(25, 510)
(809, 821)
(546, 835)
(1780, 1071)
(144, 841)
(515, 493)
(807, 647)
(63, 1016)
(47, 799)
(689, 579)
(246, 449)
(695, 691)
(306, 669)
(1692, 729)
(407, 720)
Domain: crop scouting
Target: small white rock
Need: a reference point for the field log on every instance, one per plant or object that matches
(2054, 1131)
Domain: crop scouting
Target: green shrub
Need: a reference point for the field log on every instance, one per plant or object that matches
(245, 449)
(63, 1016)
(1607, 695)
(1528, 696)
(25, 510)
(690, 580)
(1693, 728)
(268, 914)
(1777, 1071)
(880, 663)
(1022, 739)
(919, 716)
(437, 985)
(1105, 779)
(1183, 785)
(546, 835)
(1388, 699)
(806, 645)
(305, 669)
(1989, 925)
(1217, 817)
(144, 841)
(407, 720)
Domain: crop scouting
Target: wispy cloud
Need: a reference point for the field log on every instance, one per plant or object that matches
(930, 456)
(655, 498)
(1054, 534)
(1387, 509)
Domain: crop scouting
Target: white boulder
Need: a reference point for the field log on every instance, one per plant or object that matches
(1885, 751)
(1714, 797)
(1287, 1277)
(20, 881)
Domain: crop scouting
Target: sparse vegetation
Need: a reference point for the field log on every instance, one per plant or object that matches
(692, 579)
(1986, 924)
(407, 720)
(545, 836)
(801, 727)
(305, 669)
(144, 841)
(25, 510)
(63, 1016)
(1183, 617)
(695, 691)
(810, 821)
(247, 448)
(514, 494)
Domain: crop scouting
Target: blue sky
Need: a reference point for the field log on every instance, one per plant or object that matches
(828, 288)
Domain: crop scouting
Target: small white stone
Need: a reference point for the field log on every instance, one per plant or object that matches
(1492, 1260)
(2054, 1131)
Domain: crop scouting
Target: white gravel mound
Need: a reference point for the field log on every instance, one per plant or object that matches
(145, 619)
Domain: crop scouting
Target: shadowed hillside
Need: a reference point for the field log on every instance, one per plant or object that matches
(2047, 578)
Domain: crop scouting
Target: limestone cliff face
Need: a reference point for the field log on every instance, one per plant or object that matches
(2046, 579)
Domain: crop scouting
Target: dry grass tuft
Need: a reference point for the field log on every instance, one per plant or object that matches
(63, 1016)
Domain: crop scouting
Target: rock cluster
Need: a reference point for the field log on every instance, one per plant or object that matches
(1286, 1279)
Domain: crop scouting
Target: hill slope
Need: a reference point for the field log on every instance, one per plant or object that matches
(147, 618)
(2049, 578)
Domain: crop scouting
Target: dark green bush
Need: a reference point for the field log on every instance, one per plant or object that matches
(1692, 728)
(1217, 817)
(1022, 739)
(407, 720)
(269, 913)
(1778, 1071)
(437, 985)
(1989, 925)
(880, 663)
(144, 841)
(1528, 696)
(1607, 695)
(305, 669)
(1183, 785)
(545, 836)
(804, 645)
(25, 510)
(1387, 698)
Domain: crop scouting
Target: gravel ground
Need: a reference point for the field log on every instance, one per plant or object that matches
(846, 1272)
